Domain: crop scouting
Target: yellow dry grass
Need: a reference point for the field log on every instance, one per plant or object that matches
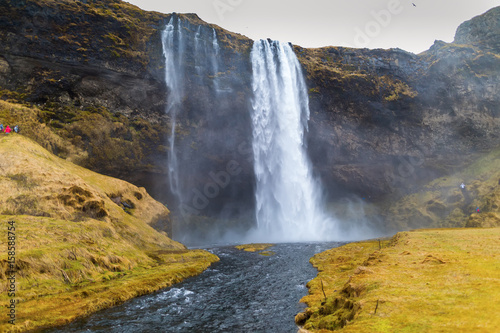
(441, 280)
(78, 248)
(35, 182)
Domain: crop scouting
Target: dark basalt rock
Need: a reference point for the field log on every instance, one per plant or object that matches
(482, 31)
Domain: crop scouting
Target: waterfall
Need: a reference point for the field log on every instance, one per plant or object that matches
(215, 62)
(288, 198)
(197, 46)
(184, 44)
(206, 53)
(173, 49)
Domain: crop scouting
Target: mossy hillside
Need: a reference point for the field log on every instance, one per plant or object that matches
(59, 188)
(83, 239)
(442, 203)
(103, 31)
(92, 137)
(442, 280)
(28, 118)
(357, 73)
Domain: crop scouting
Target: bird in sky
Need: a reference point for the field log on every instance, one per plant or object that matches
(414, 4)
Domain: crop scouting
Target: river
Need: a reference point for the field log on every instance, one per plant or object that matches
(244, 292)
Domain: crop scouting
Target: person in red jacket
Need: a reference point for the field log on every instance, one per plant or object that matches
(7, 129)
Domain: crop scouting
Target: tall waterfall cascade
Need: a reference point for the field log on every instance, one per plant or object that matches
(288, 197)
(173, 47)
(185, 43)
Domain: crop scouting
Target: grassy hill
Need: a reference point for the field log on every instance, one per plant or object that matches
(83, 240)
(441, 280)
(442, 203)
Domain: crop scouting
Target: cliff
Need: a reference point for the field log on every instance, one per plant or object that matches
(388, 120)
(383, 122)
(482, 31)
(95, 72)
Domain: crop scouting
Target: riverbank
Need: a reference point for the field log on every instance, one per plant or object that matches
(51, 298)
(76, 242)
(439, 280)
(243, 292)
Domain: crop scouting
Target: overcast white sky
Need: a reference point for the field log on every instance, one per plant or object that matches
(316, 23)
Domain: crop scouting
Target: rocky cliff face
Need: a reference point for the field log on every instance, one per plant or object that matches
(95, 70)
(388, 119)
(382, 121)
(482, 31)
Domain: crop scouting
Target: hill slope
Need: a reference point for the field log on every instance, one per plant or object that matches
(420, 281)
(83, 241)
(442, 203)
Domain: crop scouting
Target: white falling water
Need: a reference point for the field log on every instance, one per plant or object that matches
(177, 38)
(288, 198)
(215, 62)
(197, 46)
(173, 49)
(206, 47)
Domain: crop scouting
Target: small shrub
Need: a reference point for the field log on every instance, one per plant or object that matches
(23, 205)
(22, 180)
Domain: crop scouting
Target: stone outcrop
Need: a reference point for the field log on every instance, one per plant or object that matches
(482, 31)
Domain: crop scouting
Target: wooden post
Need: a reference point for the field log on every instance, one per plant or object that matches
(323, 289)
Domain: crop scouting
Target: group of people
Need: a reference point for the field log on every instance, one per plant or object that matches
(7, 129)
